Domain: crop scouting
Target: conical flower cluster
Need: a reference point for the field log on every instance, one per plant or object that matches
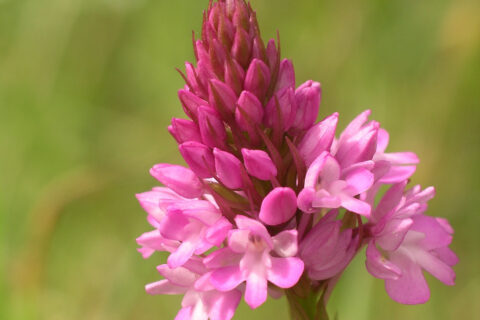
(271, 201)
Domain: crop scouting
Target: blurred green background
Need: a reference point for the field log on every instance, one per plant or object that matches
(87, 88)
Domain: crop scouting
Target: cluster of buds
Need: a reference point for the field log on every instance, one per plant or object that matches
(271, 201)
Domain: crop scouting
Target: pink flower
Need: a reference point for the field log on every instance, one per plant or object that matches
(410, 242)
(197, 225)
(254, 257)
(200, 301)
(326, 186)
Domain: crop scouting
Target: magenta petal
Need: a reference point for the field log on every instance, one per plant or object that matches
(257, 78)
(285, 272)
(410, 287)
(178, 276)
(180, 179)
(184, 130)
(380, 267)
(218, 232)
(227, 278)
(278, 206)
(228, 169)
(256, 291)
(259, 164)
(305, 200)
(394, 233)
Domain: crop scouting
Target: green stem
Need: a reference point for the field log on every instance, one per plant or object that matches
(306, 302)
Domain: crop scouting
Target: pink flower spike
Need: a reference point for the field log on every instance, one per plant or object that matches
(278, 206)
(180, 179)
(257, 79)
(199, 157)
(318, 138)
(307, 97)
(228, 169)
(259, 164)
(212, 128)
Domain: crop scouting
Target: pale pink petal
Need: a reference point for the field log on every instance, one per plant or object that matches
(356, 205)
(435, 267)
(178, 276)
(238, 240)
(378, 266)
(184, 314)
(360, 180)
(285, 272)
(398, 174)
(256, 290)
(410, 287)
(224, 305)
(382, 140)
(285, 243)
(227, 278)
(401, 158)
(181, 255)
(393, 234)
(255, 227)
(164, 287)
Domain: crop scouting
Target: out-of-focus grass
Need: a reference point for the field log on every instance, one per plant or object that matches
(87, 89)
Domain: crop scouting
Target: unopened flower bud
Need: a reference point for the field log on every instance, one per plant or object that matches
(259, 164)
(228, 169)
(211, 126)
(257, 79)
(199, 157)
(308, 102)
(184, 130)
(278, 206)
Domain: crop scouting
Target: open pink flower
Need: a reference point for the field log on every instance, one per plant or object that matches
(326, 186)
(254, 257)
(201, 301)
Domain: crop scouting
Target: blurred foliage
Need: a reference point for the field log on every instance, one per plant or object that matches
(87, 88)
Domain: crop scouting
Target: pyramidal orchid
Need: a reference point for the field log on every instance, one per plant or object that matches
(271, 201)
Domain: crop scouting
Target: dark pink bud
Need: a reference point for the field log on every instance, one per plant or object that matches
(234, 75)
(242, 47)
(211, 126)
(258, 49)
(241, 16)
(217, 57)
(222, 97)
(308, 102)
(259, 164)
(286, 75)
(279, 206)
(272, 54)
(190, 102)
(281, 107)
(228, 169)
(199, 157)
(191, 78)
(184, 130)
(249, 111)
(180, 179)
(257, 79)
(226, 31)
(318, 138)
